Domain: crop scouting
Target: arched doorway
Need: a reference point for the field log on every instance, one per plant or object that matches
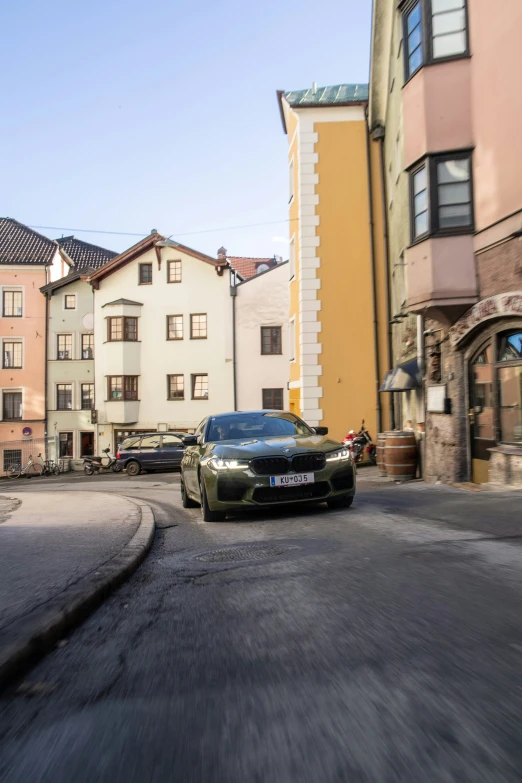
(495, 391)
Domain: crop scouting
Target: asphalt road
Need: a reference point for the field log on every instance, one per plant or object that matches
(382, 643)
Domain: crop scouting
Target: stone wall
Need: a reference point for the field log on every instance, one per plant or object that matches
(505, 466)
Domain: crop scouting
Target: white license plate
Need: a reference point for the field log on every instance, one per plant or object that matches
(292, 479)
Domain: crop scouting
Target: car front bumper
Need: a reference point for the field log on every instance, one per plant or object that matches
(242, 488)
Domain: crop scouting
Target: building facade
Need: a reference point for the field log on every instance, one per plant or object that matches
(262, 345)
(338, 287)
(162, 340)
(28, 261)
(71, 421)
(448, 71)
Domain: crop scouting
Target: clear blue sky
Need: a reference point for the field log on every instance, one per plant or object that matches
(128, 116)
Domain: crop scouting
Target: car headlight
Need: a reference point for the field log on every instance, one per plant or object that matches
(341, 455)
(227, 464)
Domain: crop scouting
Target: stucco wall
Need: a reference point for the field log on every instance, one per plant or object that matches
(31, 330)
(201, 291)
(261, 301)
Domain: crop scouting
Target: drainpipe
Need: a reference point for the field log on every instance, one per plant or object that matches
(378, 135)
(422, 369)
(374, 291)
(233, 294)
(46, 358)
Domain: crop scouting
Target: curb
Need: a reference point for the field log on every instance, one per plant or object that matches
(35, 634)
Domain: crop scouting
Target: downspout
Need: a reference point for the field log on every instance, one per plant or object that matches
(384, 202)
(46, 372)
(422, 369)
(233, 294)
(374, 290)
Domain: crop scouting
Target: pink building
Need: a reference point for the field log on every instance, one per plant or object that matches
(445, 86)
(27, 262)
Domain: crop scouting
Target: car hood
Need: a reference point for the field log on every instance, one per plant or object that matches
(270, 447)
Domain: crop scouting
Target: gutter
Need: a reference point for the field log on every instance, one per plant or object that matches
(374, 291)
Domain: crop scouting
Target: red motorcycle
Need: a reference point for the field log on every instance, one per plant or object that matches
(360, 443)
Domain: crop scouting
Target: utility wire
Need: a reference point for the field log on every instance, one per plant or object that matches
(183, 234)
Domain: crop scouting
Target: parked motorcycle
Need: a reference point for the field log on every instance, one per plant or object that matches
(360, 443)
(107, 462)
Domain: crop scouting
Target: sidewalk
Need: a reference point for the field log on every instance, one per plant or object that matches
(59, 553)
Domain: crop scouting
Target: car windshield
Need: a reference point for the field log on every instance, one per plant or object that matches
(256, 425)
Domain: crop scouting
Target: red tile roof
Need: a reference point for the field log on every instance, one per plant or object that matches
(248, 267)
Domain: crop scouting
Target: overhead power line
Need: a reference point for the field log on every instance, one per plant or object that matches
(177, 234)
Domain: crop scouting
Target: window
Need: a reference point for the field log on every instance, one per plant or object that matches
(122, 328)
(12, 304)
(200, 387)
(510, 348)
(413, 36)
(175, 387)
(292, 258)
(12, 355)
(198, 326)
(65, 441)
(270, 340)
(441, 196)
(123, 387)
(64, 347)
(12, 405)
(174, 272)
(448, 26)
(87, 346)
(273, 399)
(172, 442)
(150, 442)
(420, 202)
(291, 182)
(69, 302)
(87, 396)
(174, 327)
(145, 274)
(12, 457)
(434, 30)
(64, 397)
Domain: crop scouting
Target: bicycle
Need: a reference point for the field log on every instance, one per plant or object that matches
(31, 469)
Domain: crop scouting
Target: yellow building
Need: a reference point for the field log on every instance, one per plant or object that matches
(339, 321)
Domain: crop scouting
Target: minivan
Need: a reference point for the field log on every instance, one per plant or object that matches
(151, 451)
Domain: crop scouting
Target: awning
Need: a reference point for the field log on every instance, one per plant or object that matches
(403, 377)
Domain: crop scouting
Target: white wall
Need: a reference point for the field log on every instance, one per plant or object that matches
(154, 357)
(261, 301)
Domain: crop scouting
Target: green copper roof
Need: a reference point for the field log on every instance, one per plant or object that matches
(337, 95)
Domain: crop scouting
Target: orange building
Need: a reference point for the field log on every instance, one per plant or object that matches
(28, 261)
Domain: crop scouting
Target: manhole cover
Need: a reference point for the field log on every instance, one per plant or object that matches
(233, 554)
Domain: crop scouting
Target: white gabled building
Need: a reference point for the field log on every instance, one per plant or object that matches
(262, 340)
(163, 340)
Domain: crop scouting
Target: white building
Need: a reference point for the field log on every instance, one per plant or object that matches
(70, 353)
(163, 340)
(262, 340)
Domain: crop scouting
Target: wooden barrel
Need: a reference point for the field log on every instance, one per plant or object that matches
(381, 438)
(400, 455)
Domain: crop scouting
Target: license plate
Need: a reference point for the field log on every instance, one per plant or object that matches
(292, 479)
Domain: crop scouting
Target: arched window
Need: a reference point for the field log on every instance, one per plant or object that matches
(510, 386)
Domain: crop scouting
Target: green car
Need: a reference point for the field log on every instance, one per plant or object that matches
(261, 459)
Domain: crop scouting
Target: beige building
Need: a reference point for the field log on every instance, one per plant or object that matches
(262, 340)
(446, 98)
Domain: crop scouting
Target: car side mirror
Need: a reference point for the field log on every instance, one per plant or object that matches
(321, 430)
(190, 440)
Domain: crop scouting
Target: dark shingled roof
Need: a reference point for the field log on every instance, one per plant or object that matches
(19, 244)
(84, 255)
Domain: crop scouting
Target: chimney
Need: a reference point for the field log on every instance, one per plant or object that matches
(222, 254)
(314, 88)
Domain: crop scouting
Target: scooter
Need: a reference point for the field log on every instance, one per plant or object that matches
(361, 442)
(93, 465)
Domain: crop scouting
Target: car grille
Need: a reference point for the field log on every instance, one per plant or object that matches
(343, 480)
(280, 494)
(308, 463)
(270, 466)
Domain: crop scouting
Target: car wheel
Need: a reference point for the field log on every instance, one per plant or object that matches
(186, 501)
(207, 514)
(133, 468)
(344, 501)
